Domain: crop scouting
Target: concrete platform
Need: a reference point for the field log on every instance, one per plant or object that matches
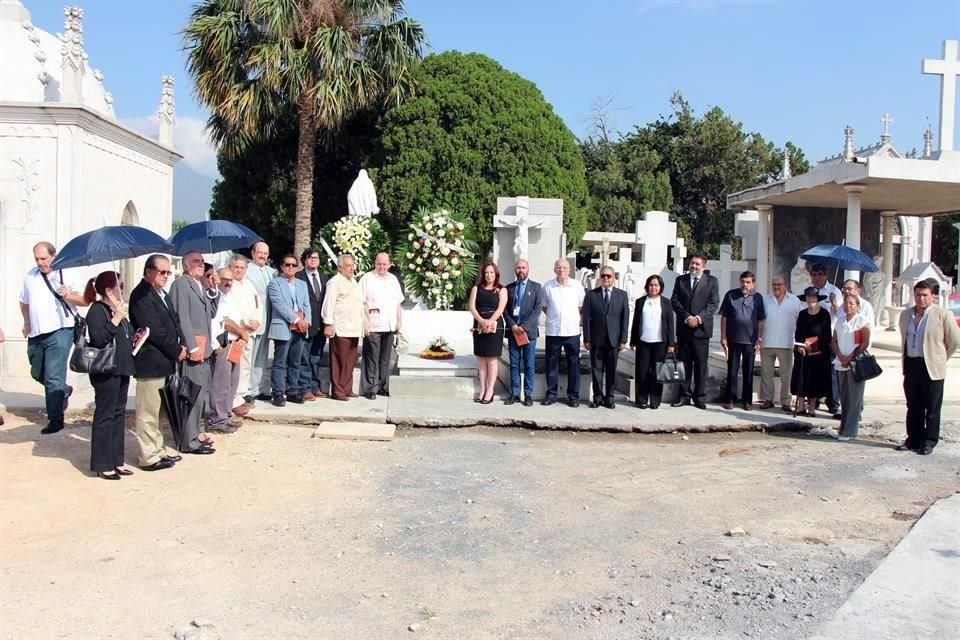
(915, 592)
(354, 431)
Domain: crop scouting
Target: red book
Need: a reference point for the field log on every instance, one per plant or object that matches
(235, 352)
(293, 325)
(858, 336)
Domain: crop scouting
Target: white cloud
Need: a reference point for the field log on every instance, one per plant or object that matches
(189, 138)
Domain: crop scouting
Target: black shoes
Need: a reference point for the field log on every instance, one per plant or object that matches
(528, 402)
(295, 398)
(171, 459)
(159, 465)
(266, 397)
(925, 451)
(278, 401)
(383, 393)
(52, 427)
(548, 401)
(108, 475)
(370, 396)
(700, 404)
(609, 404)
(250, 399)
(573, 404)
(681, 402)
(642, 405)
(202, 451)
(594, 404)
(511, 400)
(123, 472)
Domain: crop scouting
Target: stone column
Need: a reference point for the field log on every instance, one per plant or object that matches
(764, 237)
(886, 299)
(854, 192)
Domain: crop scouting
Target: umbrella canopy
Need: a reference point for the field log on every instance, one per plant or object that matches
(840, 256)
(212, 236)
(108, 244)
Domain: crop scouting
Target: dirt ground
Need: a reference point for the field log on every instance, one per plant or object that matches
(469, 533)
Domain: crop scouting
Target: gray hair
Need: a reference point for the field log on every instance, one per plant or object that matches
(342, 257)
(235, 258)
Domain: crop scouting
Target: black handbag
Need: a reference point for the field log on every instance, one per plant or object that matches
(87, 359)
(865, 367)
(670, 370)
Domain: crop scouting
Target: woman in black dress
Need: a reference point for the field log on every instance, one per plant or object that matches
(653, 335)
(812, 373)
(106, 323)
(488, 298)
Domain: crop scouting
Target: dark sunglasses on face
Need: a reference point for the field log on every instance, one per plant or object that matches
(163, 272)
(289, 264)
(605, 275)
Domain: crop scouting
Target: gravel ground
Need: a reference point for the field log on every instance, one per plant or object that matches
(469, 533)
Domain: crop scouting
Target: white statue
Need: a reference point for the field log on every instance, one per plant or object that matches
(520, 222)
(362, 198)
(873, 284)
(799, 277)
(629, 284)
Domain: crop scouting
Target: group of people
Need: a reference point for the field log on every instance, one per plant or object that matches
(814, 337)
(213, 327)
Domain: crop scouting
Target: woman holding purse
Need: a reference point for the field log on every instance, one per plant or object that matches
(107, 323)
(653, 335)
(851, 337)
(488, 299)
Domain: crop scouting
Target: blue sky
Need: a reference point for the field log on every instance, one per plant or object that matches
(795, 71)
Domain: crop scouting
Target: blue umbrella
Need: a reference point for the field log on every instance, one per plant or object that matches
(840, 256)
(108, 244)
(212, 236)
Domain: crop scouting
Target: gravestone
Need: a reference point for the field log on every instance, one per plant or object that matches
(727, 270)
(529, 228)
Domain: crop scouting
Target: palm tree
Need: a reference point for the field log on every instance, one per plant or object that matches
(253, 61)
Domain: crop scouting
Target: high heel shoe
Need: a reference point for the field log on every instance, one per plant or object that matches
(108, 476)
(123, 472)
(487, 401)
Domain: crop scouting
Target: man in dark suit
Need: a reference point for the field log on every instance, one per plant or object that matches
(606, 320)
(195, 309)
(696, 296)
(525, 302)
(315, 341)
(164, 347)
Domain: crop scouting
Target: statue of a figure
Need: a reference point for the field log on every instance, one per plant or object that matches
(873, 284)
(629, 284)
(520, 222)
(362, 198)
(799, 277)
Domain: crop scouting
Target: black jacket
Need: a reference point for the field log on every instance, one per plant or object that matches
(157, 357)
(703, 302)
(668, 322)
(606, 326)
(316, 300)
(102, 331)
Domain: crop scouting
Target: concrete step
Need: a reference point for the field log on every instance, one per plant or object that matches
(440, 387)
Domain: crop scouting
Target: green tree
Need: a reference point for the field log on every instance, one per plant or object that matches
(252, 60)
(474, 132)
(944, 249)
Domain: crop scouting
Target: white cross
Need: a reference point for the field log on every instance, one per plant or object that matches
(886, 120)
(522, 223)
(948, 69)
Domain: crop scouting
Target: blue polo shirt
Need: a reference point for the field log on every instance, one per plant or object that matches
(743, 314)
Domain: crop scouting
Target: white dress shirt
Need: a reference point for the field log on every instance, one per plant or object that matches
(382, 297)
(563, 307)
(46, 312)
(226, 308)
(845, 331)
(652, 311)
(781, 320)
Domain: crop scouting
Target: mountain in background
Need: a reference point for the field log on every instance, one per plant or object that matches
(192, 192)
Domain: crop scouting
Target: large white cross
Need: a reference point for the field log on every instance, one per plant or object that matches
(948, 69)
(886, 120)
(522, 223)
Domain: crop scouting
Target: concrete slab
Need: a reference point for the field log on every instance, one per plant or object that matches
(354, 431)
(915, 592)
(357, 409)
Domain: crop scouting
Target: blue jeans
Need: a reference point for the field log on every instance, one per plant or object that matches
(285, 373)
(48, 354)
(310, 364)
(525, 353)
(571, 347)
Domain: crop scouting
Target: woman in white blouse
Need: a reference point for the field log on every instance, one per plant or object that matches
(850, 338)
(653, 335)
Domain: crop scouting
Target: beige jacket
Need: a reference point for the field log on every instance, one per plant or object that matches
(941, 338)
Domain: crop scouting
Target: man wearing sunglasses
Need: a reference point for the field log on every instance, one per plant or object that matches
(150, 309)
(606, 320)
(289, 322)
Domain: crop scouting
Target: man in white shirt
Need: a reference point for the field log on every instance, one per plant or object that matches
(249, 305)
(383, 315)
(866, 309)
(228, 328)
(47, 301)
(564, 302)
(781, 310)
(259, 274)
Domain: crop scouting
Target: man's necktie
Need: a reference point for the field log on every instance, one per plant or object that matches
(316, 284)
(696, 281)
(606, 299)
(521, 289)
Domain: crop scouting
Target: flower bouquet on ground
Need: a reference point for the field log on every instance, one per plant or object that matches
(438, 349)
(438, 258)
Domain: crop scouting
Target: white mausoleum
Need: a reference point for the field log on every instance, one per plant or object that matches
(66, 165)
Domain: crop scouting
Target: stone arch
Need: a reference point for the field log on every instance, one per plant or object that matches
(128, 268)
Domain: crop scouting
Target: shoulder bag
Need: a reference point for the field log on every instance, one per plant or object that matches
(670, 370)
(865, 367)
(87, 359)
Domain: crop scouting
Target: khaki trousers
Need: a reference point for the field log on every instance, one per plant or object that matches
(149, 435)
(768, 358)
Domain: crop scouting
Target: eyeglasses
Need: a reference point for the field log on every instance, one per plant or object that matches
(226, 283)
(289, 264)
(606, 275)
(163, 272)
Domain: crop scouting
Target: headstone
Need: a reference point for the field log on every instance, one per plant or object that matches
(529, 228)
(655, 233)
(727, 270)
